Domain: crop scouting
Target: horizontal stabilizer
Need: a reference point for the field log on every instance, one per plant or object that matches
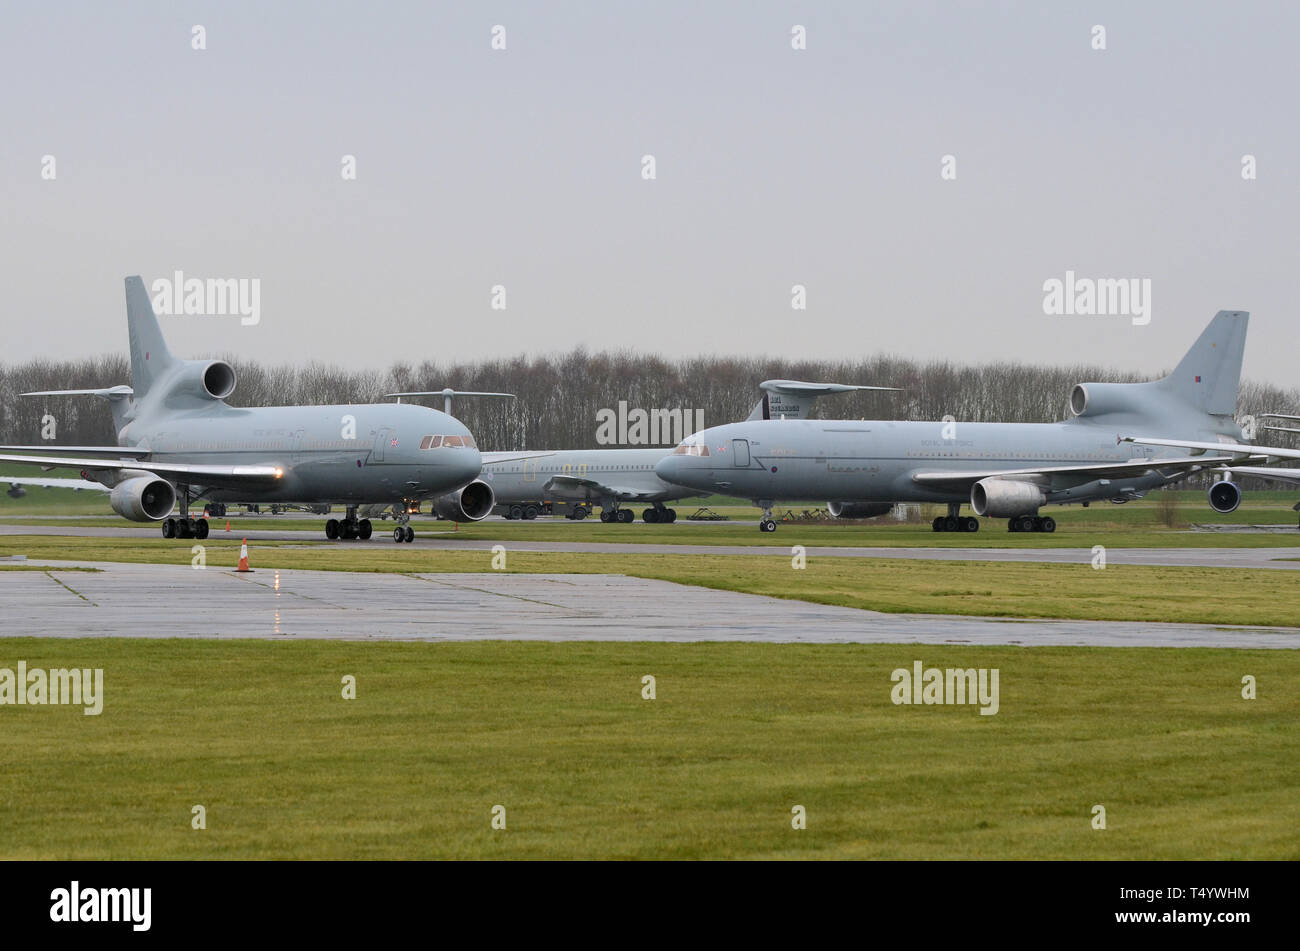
(108, 393)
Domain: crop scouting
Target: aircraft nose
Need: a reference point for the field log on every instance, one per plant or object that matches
(670, 468)
(469, 465)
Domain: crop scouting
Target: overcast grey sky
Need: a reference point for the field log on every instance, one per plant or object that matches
(775, 167)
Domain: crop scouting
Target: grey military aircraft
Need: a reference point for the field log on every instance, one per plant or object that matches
(1003, 470)
(179, 441)
(614, 478)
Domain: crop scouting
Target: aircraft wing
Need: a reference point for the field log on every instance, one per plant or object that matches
(90, 452)
(223, 476)
(601, 487)
(1085, 473)
(55, 483)
(491, 457)
(1281, 475)
(1255, 452)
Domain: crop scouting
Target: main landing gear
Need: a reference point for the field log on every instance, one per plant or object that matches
(184, 527)
(954, 521)
(1031, 523)
(612, 513)
(659, 514)
(349, 527)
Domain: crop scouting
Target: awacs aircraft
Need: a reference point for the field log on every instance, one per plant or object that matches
(613, 478)
(178, 441)
(1003, 470)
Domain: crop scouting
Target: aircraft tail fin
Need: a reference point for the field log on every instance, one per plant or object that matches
(1208, 375)
(150, 357)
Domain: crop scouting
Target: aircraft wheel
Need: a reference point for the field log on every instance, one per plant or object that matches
(332, 529)
(530, 512)
(937, 524)
(399, 534)
(672, 515)
(201, 528)
(650, 515)
(604, 515)
(365, 529)
(1049, 524)
(767, 525)
(1013, 524)
(952, 524)
(972, 524)
(169, 528)
(410, 534)
(625, 516)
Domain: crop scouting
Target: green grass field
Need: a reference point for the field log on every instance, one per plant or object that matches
(259, 734)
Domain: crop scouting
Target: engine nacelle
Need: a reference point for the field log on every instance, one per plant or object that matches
(470, 504)
(1005, 498)
(1098, 399)
(143, 499)
(858, 509)
(211, 380)
(1225, 497)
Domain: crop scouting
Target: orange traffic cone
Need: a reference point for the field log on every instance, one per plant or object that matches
(227, 524)
(243, 557)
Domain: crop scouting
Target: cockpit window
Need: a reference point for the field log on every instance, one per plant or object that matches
(447, 442)
(691, 447)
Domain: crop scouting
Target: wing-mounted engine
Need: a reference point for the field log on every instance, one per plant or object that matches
(1005, 498)
(143, 499)
(858, 509)
(470, 504)
(1225, 496)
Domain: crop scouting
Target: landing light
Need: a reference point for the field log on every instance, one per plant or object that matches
(278, 472)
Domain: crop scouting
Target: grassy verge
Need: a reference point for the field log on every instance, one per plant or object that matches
(559, 735)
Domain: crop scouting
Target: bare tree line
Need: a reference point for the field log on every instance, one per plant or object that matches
(558, 395)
